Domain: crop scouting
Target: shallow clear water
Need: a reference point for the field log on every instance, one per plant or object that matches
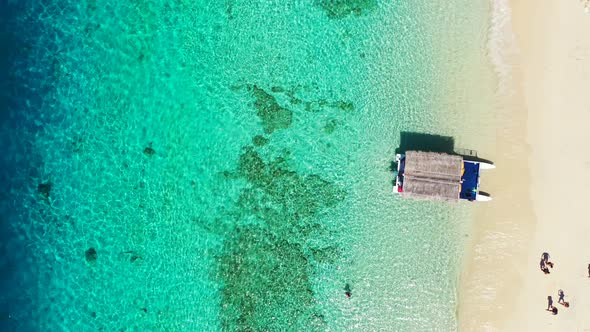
(202, 166)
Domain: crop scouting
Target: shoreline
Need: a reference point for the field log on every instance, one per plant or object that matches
(501, 229)
(540, 110)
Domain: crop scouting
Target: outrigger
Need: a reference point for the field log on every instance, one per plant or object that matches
(439, 176)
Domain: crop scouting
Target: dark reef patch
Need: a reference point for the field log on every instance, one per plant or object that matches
(276, 108)
(339, 9)
(330, 126)
(259, 140)
(44, 189)
(319, 105)
(272, 115)
(344, 106)
(251, 165)
(149, 150)
(266, 263)
(134, 258)
(131, 256)
(76, 144)
(229, 9)
(326, 255)
(302, 195)
(91, 255)
(266, 282)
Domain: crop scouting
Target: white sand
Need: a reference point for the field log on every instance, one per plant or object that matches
(541, 185)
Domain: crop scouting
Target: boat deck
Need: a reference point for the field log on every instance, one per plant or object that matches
(430, 175)
(439, 176)
(469, 180)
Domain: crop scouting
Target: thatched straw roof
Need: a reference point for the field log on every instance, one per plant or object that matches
(432, 175)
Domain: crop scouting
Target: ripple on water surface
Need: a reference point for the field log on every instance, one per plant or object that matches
(192, 165)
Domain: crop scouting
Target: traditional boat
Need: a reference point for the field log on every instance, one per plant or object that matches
(439, 176)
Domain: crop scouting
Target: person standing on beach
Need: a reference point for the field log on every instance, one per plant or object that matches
(545, 257)
(543, 267)
(549, 303)
(588, 270)
(561, 297)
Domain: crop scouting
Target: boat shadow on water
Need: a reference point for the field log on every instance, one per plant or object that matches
(411, 141)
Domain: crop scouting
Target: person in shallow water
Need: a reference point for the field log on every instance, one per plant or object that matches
(347, 291)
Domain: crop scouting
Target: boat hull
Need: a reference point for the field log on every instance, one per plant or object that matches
(486, 166)
(482, 198)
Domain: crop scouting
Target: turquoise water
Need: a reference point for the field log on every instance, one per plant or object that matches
(204, 166)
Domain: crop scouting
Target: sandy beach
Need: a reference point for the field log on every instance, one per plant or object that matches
(540, 204)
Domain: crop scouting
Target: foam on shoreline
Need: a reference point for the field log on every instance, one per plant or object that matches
(502, 45)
